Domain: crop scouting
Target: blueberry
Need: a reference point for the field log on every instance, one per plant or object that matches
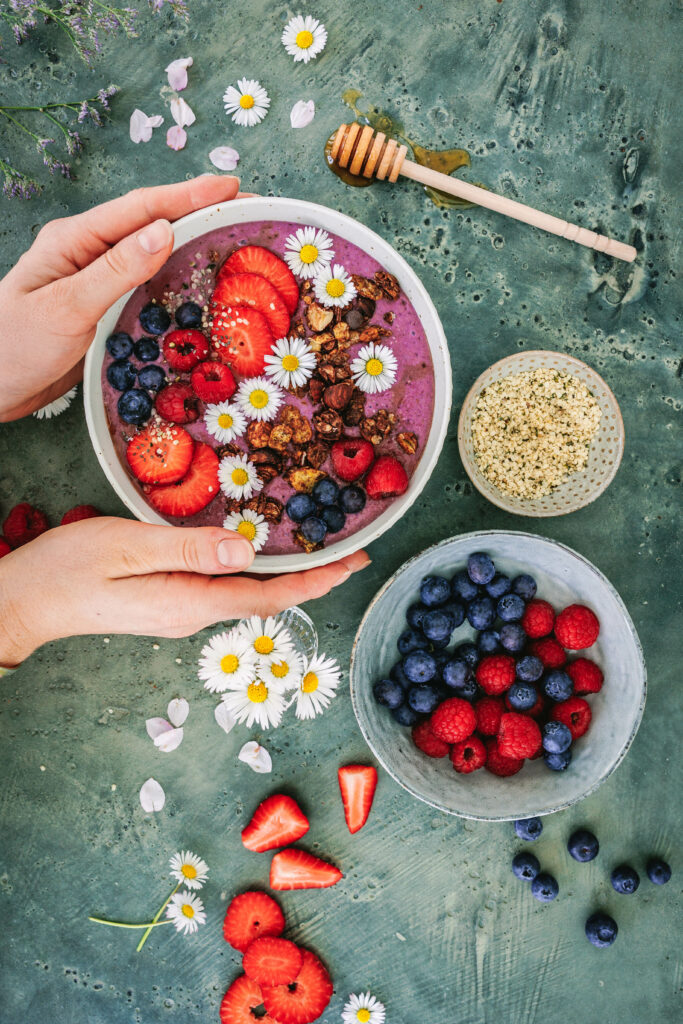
(189, 315)
(522, 696)
(463, 587)
(151, 377)
(119, 345)
(154, 318)
(556, 737)
(416, 614)
(121, 374)
(300, 507)
(442, 643)
(135, 406)
(499, 585)
(456, 673)
(480, 568)
(510, 608)
(658, 871)
(146, 350)
(314, 529)
(525, 866)
(397, 673)
(325, 492)
(625, 879)
(468, 653)
(335, 519)
(488, 641)
(528, 828)
(524, 586)
(544, 887)
(437, 625)
(558, 685)
(404, 715)
(388, 693)
(468, 690)
(529, 668)
(583, 846)
(456, 611)
(481, 613)
(410, 640)
(419, 666)
(435, 590)
(558, 762)
(423, 698)
(352, 499)
(512, 637)
(601, 930)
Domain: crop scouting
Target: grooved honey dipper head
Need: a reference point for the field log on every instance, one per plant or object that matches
(366, 152)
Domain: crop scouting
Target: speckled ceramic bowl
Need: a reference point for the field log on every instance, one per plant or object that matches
(605, 452)
(563, 577)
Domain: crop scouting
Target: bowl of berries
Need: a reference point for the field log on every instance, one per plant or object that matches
(498, 676)
(284, 375)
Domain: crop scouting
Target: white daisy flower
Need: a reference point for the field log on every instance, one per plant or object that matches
(304, 38)
(259, 398)
(248, 103)
(374, 368)
(186, 911)
(61, 404)
(363, 1009)
(318, 686)
(189, 869)
(224, 421)
(308, 251)
(228, 660)
(250, 524)
(256, 702)
(292, 364)
(268, 638)
(333, 286)
(238, 477)
(287, 672)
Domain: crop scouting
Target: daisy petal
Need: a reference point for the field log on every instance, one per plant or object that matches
(257, 757)
(176, 137)
(60, 405)
(177, 711)
(302, 113)
(225, 718)
(224, 157)
(177, 73)
(182, 113)
(169, 740)
(156, 727)
(152, 796)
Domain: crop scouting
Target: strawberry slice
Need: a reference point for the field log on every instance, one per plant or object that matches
(278, 821)
(270, 961)
(357, 783)
(250, 916)
(254, 291)
(305, 999)
(254, 259)
(197, 488)
(243, 996)
(184, 349)
(296, 869)
(213, 381)
(241, 336)
(160, 454)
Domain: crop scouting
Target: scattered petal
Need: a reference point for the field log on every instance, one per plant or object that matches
(177, 73)
(156, 727)
(156, 121)
(60, 405)
(302, 113)
(152, 796)
(141, 126)
(257, 757)
(224, 157)
(176, 137)
(225, 718)
(169, 740)
(177, 711)
(182, 113)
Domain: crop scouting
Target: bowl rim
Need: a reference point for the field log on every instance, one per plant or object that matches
(475, 536)
(491, 492)
(282, 208)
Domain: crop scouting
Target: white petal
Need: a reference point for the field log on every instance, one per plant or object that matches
(152, 796)
(168, 741)
(156, 121)
(177, 73)
(140, 126)
(257, 757)
(302, 113)
(177, 711)
(182, 113)
(176, 137)
(224, 157)
(156, 727)
(224, 717)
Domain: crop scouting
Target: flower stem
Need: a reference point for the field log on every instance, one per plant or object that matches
(163, 906)
(122, 924)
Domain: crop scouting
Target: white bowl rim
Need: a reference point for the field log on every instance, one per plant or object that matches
(475, 536)
(282, 208)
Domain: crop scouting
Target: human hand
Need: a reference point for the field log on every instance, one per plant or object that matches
(109, 575)
(76, 268)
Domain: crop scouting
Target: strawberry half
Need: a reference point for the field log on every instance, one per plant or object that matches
(296, 869)
(241, 336)
(386, 479)
(184, 349)
(254, 259)
(213, 381)
(177, 403)
(250, 916)
(352, 457)
(357, 783)
(305, 999)
(270, 961)
(75, 515)
(254, 291)
(278, 821)
(194, 492)
(160, 454)
(24, 523)
(243, 996)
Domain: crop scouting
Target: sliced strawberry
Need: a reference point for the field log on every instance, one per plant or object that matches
(4, 547)
(305, 999)
(250, 916)
(357, 783)
(24, 523)
(243, 996)
(177, 403)
(160, 454)
(278, 821)
(241, 336)
(387, 478)
(254, 259)
(74, 515)
(254, 291)
(194, 492)
(185, 348)
(352, 457)
(296, 869)
(213, 381)
(270, 961)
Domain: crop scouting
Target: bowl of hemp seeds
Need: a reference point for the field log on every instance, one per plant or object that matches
(540, 434)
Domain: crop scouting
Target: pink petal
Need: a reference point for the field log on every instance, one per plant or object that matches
(224, 157)
(156, 121)
(182, 112)
(156, 727)
(176, 137)
(140, 127)
(177, 73)
(257, 757)
(152, 796)
(168, 741)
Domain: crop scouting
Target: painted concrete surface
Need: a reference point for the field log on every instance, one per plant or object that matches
(566, 105)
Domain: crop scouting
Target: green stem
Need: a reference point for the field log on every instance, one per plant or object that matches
(122, 924)
(144, 938)
(18, 123)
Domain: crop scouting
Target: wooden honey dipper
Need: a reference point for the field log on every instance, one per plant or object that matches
(367, 153)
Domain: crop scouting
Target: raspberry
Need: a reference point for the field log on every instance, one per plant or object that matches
(74, 515)
(550, 652)
(488, 711)
(497, 764)
(577, 627)
(425, 740)
(518, 736)
(453, 721)
(538, 619)
(4, 547)
(496, 673)
(586, 676)
(575, 713)
(24, 523)
(468, 755)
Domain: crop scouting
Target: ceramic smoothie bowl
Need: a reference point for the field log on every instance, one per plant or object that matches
(369, 412)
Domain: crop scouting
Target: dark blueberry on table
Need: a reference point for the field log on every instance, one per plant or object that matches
(300, 507)
(146, 350)
(463, 587)
(524, 586)
(601, 930)
(410, 640)
(352, 499)
(529, 668)
(314, 529)
(499, 585)
(512, 637)
(556, 737)
(154, 318)
(457, 612)
(528, 828)
(397, 673)
(437, 625)
(544, 887)
(423, 698)
(558, 762)
(135, 406)
(469, 653)
(435, 590)
(334, 518)
(522, 696)
(583, 846)
(325, 492)
(419, 666)
(404, 715)
(152, 377)
(188, 315)
(510, 608)
(481, 613)
(388, 693)
(119, 345)
(488, 641)
(558, 685)
(415, 615)
(121, 374)
(456, 673)
(625, 879)
(525, 866)
(658, 871)
(480, 568)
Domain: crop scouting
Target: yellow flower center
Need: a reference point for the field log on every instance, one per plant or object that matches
(257, 693)
(188, 910)
(259, 398)
(280, 670)
(308, 253)
(240, 477)
(246, 102)
(304, 39)
(225, 421)
(247, 529)
(263, 645)
(335, 288)
(189, 870)
(310, 683)
(373, 367)
(229, 664)
(363, 1015)
(290, 363)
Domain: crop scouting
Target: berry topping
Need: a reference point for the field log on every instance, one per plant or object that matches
(177, 403)
(577, 627)
(480, 568)
(23, 524)
(300, 507)
(121, 374)
(305, 999)
(357, 784)
(352, 457)
(425, 740)
(601, 930)
(496, 674)
(75, 515)
(272, 961)
(538, 619)
(119, 345)
(184, 349)
(278, 821)
(146, 349)
(583, 846)
(160, 454)
(489, 711)
(314, 529)
(241, 337)
(499, 765)
(325, 492)
(525, 866)
(468, 755)
(154, 319)
(134, 406)
(254, 259)
(557, 685)
(658, 871)
(544, 887)
(556, 737)
(528, 829)
(550, 653)
(575, 714)
(334, 518)
(255, 292)
(454, 720)
(586, 676)
(197, 488)
(189, 314)
(518, 736)
(387, 478)
(297, 869)
(243, 996)
(352, 499)
(151, 378)
(249, 916)
(212, 381)
(625, 879)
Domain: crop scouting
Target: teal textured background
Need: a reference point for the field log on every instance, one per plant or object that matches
(567, 106)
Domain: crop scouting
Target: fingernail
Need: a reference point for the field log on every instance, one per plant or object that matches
(343, 579)
(235, 554)
(366, 563)
(156, 237)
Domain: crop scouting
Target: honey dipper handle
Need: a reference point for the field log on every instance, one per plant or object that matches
(538, 219)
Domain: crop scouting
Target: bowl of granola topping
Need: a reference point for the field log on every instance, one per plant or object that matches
(540, 434)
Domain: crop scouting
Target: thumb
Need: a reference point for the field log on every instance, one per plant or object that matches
(142, 549)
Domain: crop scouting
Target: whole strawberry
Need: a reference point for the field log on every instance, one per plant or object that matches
(577, 627)
(496, 674)
(24, 523)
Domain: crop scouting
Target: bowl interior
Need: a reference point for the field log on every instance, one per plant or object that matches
(563, 577)
(244, 211)
(605, 451)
